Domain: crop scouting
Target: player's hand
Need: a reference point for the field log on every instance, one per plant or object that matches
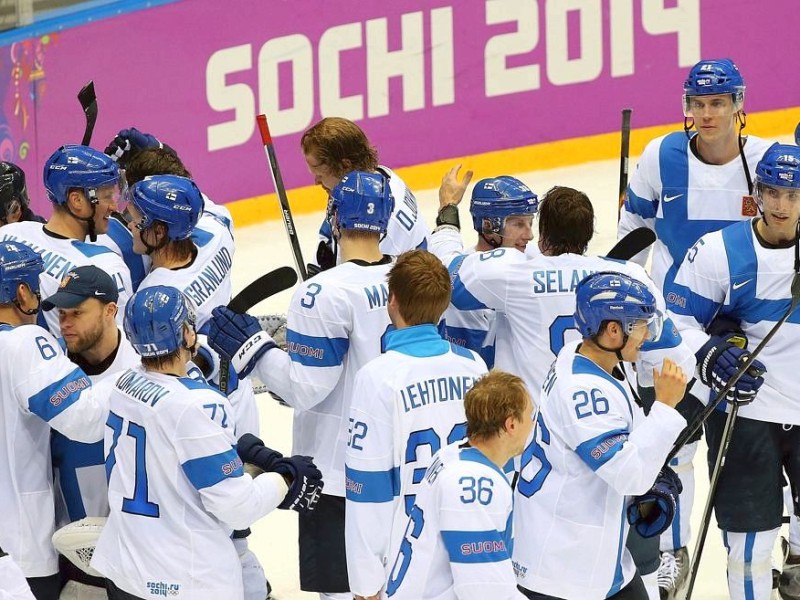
(452, 189)
(253, 451)
(275, 326)
(719, 360)
(305, 483)
(238, 338)
(652, 513)
(129, 142)
(670, 383)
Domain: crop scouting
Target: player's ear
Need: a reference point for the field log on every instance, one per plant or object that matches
(111, 309)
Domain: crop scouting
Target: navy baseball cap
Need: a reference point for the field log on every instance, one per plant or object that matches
(81, 284)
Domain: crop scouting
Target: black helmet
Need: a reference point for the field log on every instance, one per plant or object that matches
(13, 195)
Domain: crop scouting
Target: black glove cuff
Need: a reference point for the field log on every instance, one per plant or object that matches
(448, 215)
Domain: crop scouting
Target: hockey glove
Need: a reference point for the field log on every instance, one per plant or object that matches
(719, 360)
(128, 142)
(326, 258)
(253, 451)
(651, 514)
(306, 483)
(275, 326)
(238, 338)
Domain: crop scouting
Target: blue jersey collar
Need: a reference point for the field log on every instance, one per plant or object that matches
(419, 340)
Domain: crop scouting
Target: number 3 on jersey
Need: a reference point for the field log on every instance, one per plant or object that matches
(139, 504)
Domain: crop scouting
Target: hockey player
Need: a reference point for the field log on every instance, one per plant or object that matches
(84, 186)
(685, 185)
(42, 389)
(86, 304)
(457, 541)
(502, 210)
(407, 403)
(14, 202)
(332, 148)
(744, 273)
(536, 297)
(176, 484)
(335, 324)
(592, 448)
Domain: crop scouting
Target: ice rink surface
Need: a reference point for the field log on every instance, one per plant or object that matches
(260, 248)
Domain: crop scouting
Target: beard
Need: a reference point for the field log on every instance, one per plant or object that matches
(83, 342)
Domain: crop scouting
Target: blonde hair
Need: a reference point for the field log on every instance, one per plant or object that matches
(495, 397)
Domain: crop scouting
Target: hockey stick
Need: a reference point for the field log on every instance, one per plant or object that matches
(262, 288)
(286, 211)
(88, 101)
(624, 150)
(634, 242)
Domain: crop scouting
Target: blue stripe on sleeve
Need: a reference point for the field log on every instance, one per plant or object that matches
(372, 486)
(59, 395)
(210, 470)
(313, 351)
(643, 207)
(475, 546)
(599, 450)
(461, 297)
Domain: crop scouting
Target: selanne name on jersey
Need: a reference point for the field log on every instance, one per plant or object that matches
(558, 281)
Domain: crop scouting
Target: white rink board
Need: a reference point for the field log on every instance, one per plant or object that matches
(263, 247)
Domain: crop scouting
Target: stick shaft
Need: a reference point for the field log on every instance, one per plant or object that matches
(624, 152)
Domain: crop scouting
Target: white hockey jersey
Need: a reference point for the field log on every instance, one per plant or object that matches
(335, 324)
(681, 198)
(406, 230)
(457, 541)
(731, 273)
(592, 447)
(79, 467)
(40, 389)
(176, 490)
(61, 255)
(407, 404)
(535, 301)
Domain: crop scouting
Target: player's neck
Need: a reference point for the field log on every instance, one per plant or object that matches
(359, 249)
(603, 358)
(719, 152)
(107, 344)
(163, 258)
(10, 315)
(495, 449)
(175, 366)
(67, 226)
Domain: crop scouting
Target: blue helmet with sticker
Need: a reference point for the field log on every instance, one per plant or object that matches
(712, 77)
(610, 296)
(175, 201)
(797, 135)
(361, 201)
(779, 167)
(154, 320)
(18, 264)
(496, 198)
(78, 167)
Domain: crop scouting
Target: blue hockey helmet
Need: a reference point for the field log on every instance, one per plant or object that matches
(175, 201)
(18, 264)
(797, 135)
(154, 320)
(779, 167)
(610, 296)
(713, 77)
(496, 198)
(361, 201)
(80, 167)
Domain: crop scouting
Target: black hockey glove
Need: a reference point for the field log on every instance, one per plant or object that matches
(306, 483)
(129, 142)
(326, 259)
(651, 514)
(253, 451)
(239, 338)
(719, 360)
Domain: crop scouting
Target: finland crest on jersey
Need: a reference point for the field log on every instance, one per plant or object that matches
(457, 542)
(407, 404)
(682, 198)
(729, 272)
(536, 301)
(60, 256)
(334, 323)
(592, 446)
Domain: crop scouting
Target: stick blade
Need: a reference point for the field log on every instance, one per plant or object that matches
(262, 288)
(634, 242)
(87, 97)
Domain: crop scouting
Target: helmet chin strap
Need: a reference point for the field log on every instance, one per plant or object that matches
(493, 243)
(92, 197)
(32, 311)
(617, 351)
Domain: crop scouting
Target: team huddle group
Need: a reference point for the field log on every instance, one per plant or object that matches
(472, 421)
